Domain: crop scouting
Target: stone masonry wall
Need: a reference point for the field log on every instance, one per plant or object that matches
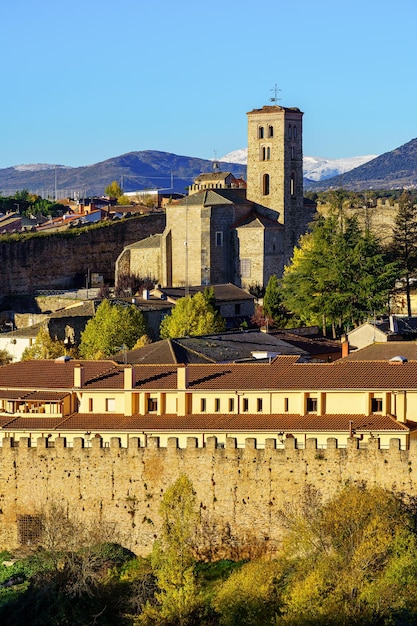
(61, 260)
(239, 491)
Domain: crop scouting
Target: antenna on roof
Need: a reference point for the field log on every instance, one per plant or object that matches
(275, 91)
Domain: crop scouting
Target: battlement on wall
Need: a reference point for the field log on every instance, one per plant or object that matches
(140, 444)
(239, 489)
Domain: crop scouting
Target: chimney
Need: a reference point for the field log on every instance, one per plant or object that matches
(345, 346)
(393, 324)
(182, 378)
(78, 375)
(129, 377)
(145, 294)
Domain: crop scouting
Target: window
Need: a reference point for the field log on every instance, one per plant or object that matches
(216, 405)
(110, 405)
(219, 239)
(286, 405)
(259, 405)
(245, 268)
(203, 405)
(265, 184)
(260, 132)
(237, 309)
(231, 404)
(290, 131)
(265, 153)
(152, 405)
(292, 152)
(90, 405)
(29, 528)
(292, 184)
(295, 132)
(270, 131)
(376, 405)
(311, 405)
(245, 405)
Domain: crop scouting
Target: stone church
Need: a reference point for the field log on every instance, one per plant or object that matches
(227, 230)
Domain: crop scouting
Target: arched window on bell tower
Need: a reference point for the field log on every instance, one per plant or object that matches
(265, 153)
(265, 185)
(260, 132)
(292, 184)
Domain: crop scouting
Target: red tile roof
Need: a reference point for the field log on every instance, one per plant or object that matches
(31, 423)
(284, 373)
(203, 423)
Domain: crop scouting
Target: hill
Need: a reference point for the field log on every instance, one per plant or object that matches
(392, 170)
(151, 169)
(148, 169)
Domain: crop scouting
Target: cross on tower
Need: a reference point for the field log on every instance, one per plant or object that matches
(275, 90)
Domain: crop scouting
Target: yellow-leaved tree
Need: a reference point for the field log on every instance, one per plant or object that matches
(177, 599)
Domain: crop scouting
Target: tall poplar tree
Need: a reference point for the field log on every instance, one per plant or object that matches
(172, 559)
(404, 246)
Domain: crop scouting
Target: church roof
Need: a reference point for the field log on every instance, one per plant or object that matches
(153, 241)
(212, 197)
(227, 292)
(255, 220)
(215, 175)
(273, 108)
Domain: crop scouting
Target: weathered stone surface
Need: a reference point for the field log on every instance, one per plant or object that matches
(61, 260)
(239, 491)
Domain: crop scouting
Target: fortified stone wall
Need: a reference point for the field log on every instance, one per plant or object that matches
(239, 491)
(61, 260)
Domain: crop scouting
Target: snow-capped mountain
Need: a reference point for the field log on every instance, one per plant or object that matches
(237, 156)
(314, 168)
(39, 167)
(319, 168)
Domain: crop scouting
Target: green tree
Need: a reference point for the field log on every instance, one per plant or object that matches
(404, 247)
(5, 357)
(192, 315)
(124, 200)
(113, 190)
(113, 326)
(338, 274)
(172, 558)
(272, 303)
(44, 347)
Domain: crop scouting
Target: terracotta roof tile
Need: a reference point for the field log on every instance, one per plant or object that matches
(50, 374)
(250, 423)
(282, 374)
(33, 423)
(385, 351)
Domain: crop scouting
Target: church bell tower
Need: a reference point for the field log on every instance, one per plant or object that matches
(275, 167)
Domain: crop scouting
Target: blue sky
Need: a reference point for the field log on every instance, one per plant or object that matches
(86, 80)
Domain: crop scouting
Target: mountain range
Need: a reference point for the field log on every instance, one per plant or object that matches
(152, 169)
(314, 168)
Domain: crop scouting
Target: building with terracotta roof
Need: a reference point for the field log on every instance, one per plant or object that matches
(284, 399)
